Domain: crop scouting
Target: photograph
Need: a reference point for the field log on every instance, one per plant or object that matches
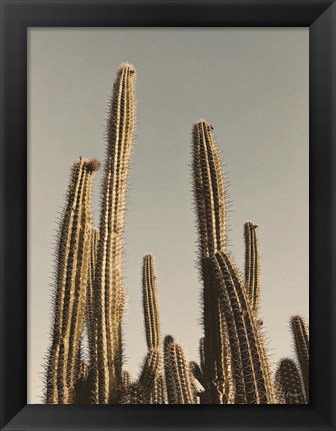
(168, 215)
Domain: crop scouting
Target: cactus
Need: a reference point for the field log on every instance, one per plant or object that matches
(289, 383)
(300, 331)
(180, 388)
(140, 391)
(109, 301)
(152, 322)
(251, 372)
(209, 193)
(71, 284)
(89, 294)
(150, 305)
(252, 264)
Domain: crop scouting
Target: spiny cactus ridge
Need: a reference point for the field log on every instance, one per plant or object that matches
(89, 297)
(288, 382)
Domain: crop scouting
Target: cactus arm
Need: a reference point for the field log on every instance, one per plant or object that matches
(252, 264)
(251, 369)
(150, 304)
(300, 331)
(288, 380)
(178, 376)
(140, 391)
(108, 279)
(71, 281)
(209, 190)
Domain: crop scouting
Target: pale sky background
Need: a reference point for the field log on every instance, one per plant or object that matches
(252, 84)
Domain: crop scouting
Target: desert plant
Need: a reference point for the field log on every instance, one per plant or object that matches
(90, 297)
(292, 380)
(73, 253)
(180, 388)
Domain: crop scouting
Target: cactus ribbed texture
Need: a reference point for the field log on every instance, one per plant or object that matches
(150, 305)
(209, 190)
(251, 372)
(140, 391)
(209, 193)
(252, 264)
(180, 389)
(300, 331)
(71, 285)
(108, 278)
(289, 383)
(152, 322)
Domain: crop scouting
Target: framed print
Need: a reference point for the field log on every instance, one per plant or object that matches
(168, 215)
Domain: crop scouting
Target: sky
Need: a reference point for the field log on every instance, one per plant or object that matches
(252, 84)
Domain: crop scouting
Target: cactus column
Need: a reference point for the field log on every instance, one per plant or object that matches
(209, 192)
(109, 301)
(71, 286)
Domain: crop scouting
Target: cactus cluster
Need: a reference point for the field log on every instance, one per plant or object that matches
(89, 298)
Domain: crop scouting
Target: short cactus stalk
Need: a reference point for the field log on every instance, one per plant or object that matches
(251, 372)
(252, 265)
(288, 382)
(71, 286)
(152, 323)
(109, 301)
(300, 332)
(179, 381)
(150, 303)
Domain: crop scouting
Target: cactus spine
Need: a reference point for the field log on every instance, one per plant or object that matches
(108, 279)
(71, 284)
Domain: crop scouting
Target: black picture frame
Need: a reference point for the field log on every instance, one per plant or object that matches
(16, 17)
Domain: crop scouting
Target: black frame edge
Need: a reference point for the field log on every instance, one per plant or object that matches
(16, 16)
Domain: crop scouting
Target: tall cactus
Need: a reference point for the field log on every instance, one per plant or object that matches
(252, 264)
(179, 383)
(71, 284)
(109, 301)
(301, 339)
(209, 193)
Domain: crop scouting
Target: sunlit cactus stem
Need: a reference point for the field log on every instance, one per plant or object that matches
(180, 388)
(150, 303)
(108, 288)
(251, 372)
(252, 264)
(152, 323)
(209, 190)
(209, 194)
(71, 286)
(300, 331)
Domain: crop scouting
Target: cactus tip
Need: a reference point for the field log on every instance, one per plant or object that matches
(93, 165)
